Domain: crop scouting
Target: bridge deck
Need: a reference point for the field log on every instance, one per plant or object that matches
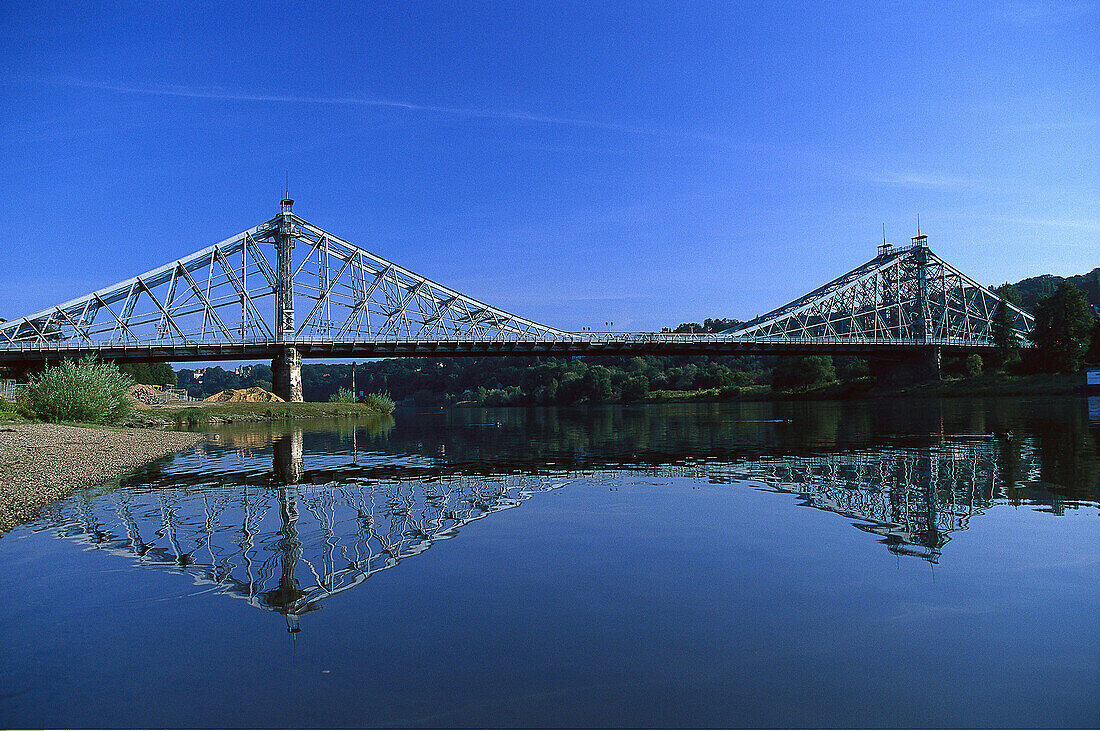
(625, 344)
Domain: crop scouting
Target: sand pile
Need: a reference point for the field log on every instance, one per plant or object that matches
(254, 395)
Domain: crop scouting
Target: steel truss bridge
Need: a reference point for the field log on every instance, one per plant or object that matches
(287, 285)
(288, 537)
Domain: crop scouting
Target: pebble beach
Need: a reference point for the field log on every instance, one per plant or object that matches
(40, 463)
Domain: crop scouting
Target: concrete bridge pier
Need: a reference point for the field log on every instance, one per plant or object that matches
(920, 365)
(286, 375)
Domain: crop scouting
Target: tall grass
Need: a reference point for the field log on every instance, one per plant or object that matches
(86, 391)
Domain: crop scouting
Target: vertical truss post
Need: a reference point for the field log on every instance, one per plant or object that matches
(284, 284)
(244, 292)
(923, 310)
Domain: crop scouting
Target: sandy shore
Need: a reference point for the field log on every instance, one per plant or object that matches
(40, 463)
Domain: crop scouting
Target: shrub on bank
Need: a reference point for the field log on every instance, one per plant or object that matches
(86, 391)
(380, 401)
(343, 396)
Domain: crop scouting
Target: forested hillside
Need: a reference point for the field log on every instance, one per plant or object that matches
(1034, 289)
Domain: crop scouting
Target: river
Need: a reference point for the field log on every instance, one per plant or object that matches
(893, 563)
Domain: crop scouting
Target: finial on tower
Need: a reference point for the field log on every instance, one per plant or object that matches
(287, 202)
(920, 239)
(885, 247)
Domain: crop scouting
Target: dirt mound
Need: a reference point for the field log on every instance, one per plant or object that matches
(254, 395)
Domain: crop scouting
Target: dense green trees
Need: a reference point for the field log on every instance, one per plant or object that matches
(151, 374)
(802, 372)
(715, 325)
(1063, 328)
(1033, 289)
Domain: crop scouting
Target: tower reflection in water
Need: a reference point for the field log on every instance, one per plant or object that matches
(286, 539)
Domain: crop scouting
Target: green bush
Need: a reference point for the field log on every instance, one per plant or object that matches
(380, 401)
(343, 396)
(973, 365)
(86, 391)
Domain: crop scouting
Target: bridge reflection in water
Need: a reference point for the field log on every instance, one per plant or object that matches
(287, 538)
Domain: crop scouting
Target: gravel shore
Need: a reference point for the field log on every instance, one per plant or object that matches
(40, 463)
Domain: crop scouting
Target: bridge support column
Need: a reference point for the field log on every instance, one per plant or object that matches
(899, 369)
(286, 375)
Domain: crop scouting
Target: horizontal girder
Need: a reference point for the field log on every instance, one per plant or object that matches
(699, 345)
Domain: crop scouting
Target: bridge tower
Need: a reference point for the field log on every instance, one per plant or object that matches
(925, 364)
(921, 363)
(286, 367)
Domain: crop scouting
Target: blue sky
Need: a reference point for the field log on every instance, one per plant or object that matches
(646, 164)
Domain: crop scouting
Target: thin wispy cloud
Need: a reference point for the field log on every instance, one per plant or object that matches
(214, 93)
(925, 180)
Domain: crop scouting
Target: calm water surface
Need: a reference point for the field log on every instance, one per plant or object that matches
(893, 563)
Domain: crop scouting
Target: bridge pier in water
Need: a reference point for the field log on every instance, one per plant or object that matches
(286, 375)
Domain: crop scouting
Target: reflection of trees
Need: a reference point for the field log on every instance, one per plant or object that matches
(1070, 468)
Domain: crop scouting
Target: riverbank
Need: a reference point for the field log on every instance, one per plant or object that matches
(987, 384)
(40, 463)
(206, 412)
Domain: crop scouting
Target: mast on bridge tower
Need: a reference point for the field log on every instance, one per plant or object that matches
(284, 273)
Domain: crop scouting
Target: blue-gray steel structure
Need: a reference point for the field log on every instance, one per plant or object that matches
(235, 300)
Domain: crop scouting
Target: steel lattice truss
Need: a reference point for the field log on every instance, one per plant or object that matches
(906, 295)
(227, 294)
(287, 281)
